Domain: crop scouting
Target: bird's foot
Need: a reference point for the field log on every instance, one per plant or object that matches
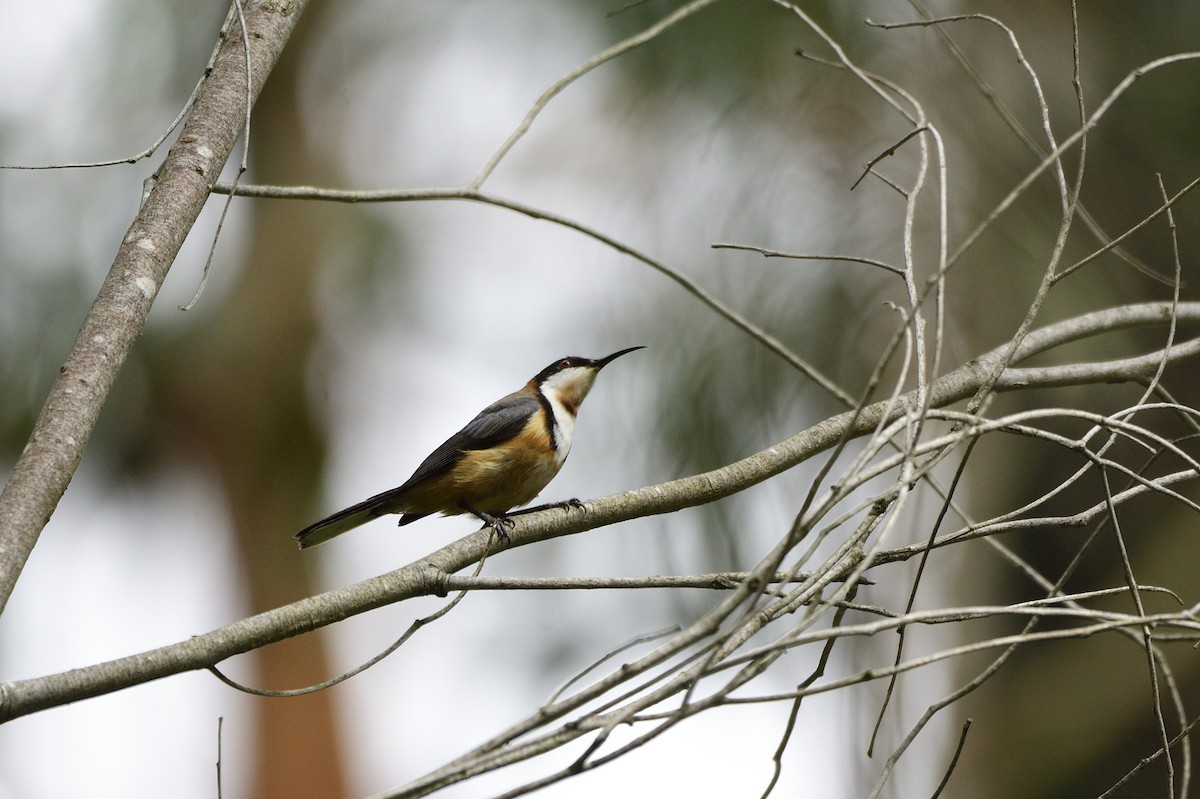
(500, 523)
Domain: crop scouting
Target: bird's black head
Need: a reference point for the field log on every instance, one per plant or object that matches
(571, 362)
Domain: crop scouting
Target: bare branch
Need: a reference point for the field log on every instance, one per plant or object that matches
(429, 575)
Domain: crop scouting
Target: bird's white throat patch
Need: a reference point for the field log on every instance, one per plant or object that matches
(565, 391)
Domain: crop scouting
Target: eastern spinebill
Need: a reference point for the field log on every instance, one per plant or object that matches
(501, 460)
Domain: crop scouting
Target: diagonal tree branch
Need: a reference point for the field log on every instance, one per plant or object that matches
(430, 575)
(180, 189)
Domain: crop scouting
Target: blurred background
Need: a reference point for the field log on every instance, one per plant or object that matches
(336, 345)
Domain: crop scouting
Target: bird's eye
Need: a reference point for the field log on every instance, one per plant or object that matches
(564, 363)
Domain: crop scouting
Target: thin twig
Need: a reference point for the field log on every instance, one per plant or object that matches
(766, 253)
(153, 148)
(242, 166)
(770, 342)
(592, 63)
(962, 740)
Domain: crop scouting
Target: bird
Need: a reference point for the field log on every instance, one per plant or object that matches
(500, 460)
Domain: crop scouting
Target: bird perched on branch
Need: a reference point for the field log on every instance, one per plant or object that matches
(502, 459)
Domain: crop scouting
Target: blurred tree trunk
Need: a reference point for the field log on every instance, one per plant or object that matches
(234, 391)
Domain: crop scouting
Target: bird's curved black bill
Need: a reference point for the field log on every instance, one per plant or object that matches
(602, 362)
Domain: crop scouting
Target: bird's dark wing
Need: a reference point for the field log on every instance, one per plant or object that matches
(494, 425)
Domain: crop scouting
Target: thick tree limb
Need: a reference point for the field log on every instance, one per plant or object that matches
(146, 253)
(430, 575)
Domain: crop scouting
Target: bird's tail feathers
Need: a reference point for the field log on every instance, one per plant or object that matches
(340, 522)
